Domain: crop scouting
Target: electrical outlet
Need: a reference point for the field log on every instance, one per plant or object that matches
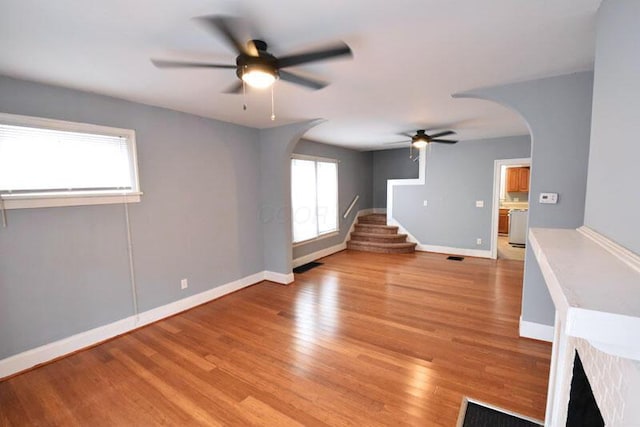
(424, 203)
(479, 203)
(184, 284)
(478, 241)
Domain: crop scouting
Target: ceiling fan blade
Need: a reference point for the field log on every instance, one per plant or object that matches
(396, 142)
(304, 81)
(230, 28)
(234, 88)
(408, 135)
(167, 63)
(340, 49)
(439, 134)
(443, 141)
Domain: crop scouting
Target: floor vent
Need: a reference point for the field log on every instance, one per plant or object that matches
(306, 267)
(455, 258)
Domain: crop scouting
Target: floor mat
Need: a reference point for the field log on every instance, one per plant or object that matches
(478, 415)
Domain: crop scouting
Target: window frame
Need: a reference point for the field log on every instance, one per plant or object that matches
(327, 234)
(34, 199)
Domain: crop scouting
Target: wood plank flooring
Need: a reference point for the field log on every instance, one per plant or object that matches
(366, 339)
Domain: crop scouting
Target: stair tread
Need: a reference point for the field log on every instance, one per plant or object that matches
(383, 245)
(380, 226)
(385, 248)
(376, 229)
(377, 235)
(381, 221)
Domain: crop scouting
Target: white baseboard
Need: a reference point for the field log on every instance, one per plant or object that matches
(479, 253)
(172, 308)
(281, 278)
(536, 331)
(319, 254)
(36, 356)
(45, 353)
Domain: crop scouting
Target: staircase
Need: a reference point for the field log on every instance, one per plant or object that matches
(372, 234)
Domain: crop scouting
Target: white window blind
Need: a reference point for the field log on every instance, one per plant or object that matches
(314, 198)
(327, 196)
(47, 160)
(48, 163)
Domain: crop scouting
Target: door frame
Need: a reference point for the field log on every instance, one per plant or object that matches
(495, 206)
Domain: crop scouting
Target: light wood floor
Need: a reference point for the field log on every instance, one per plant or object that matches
(506, 251)
(366, 339)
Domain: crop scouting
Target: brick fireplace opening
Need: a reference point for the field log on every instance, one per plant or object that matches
(595, 287)
(583, 410)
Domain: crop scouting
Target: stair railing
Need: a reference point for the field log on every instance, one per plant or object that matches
(353, 203)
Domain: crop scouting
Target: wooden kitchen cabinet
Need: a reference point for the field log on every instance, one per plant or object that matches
(503, 221)
(523, 180)
(513, 179)
(518, 180)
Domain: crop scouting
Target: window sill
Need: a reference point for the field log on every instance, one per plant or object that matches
(315, 239)
(27, 201)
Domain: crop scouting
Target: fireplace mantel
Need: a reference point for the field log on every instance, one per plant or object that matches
(595, 286)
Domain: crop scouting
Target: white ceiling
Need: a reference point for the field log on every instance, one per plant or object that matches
(409, 57)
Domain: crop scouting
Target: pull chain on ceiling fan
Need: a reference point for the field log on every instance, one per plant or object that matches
(255, 65)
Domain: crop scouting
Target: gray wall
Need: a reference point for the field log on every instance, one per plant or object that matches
(276, 145)
(613, 197)
(354, 178)
(558, 113)
(391, 164)
(456, 176)
(65, 270)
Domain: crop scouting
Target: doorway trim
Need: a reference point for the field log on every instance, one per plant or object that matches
(497, 165)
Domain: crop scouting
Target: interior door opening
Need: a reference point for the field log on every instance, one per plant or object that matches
(511, 208)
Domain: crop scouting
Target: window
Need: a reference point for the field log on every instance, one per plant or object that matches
(55, 163)
(314, 197)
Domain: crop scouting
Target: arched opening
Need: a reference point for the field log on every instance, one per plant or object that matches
(276, 146)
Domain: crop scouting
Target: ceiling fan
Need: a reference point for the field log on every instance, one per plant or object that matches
(421, 139)
(255, 65)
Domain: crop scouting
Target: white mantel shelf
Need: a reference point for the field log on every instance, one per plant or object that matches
(595, 286)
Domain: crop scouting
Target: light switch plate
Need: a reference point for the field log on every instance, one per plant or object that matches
(424, 203)
(549, 198)
(479, 203)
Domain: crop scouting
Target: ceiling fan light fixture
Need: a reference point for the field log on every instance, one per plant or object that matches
(259, 77)
(420, 143)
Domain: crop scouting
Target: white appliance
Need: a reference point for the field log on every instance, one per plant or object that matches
(518, 226)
